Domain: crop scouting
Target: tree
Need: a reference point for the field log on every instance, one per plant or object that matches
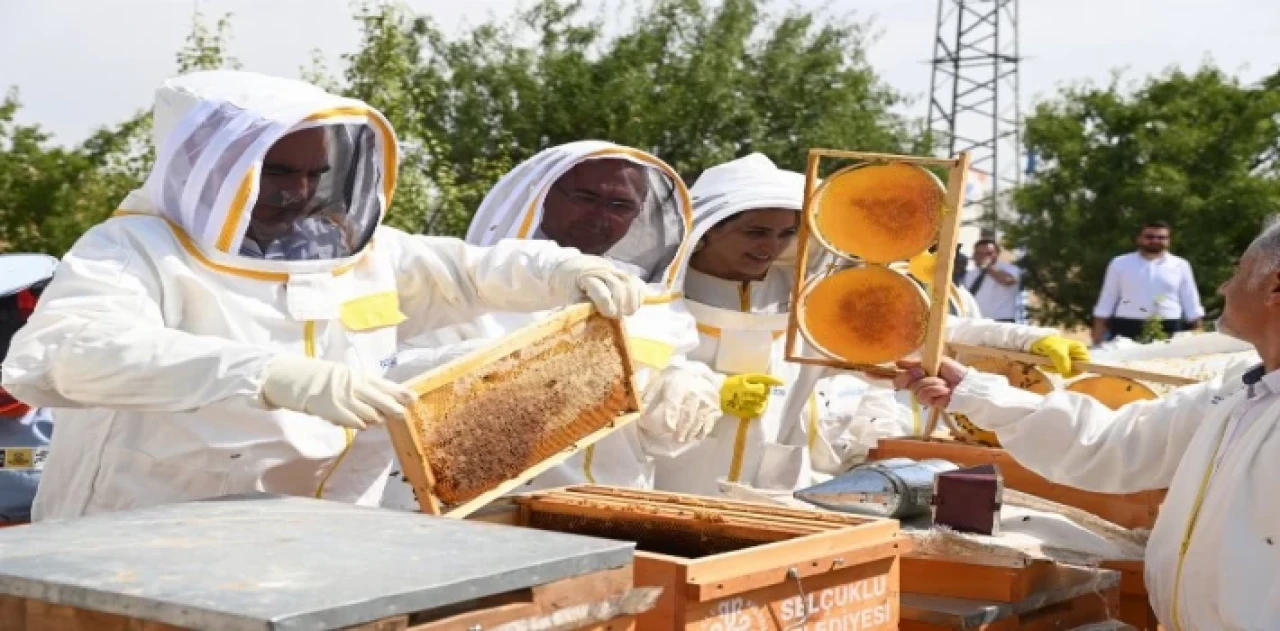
(50, 195)
(1195, 149)
(693, 83)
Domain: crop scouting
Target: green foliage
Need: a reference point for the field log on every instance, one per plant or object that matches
(50, 195)
(693, 83)
(1195, 149)
(1152, 331)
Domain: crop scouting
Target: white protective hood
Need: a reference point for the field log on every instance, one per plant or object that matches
(211, 132)
(749, 183)
(656, 240)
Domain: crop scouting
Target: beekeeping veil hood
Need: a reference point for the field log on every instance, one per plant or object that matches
(653, 245)
(749, 183)
(318, 199)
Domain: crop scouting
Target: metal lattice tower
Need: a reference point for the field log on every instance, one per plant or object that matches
(974, 104)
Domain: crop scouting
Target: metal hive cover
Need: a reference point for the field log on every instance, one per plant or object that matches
(263, 562)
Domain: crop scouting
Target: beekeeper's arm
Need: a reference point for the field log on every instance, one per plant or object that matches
(98, 339)
(1018, 337)
(845, 416)
(680, 397)
(1072, 439)
(444, 281)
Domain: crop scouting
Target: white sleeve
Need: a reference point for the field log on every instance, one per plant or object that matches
(687, 374)
(1189, 295)
(99, 339)
(1109, 297)
(1072, 439)
(852, 415)
(992, 334)
(443, 281)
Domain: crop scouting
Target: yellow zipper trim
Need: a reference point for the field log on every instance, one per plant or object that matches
(715, 331)
(309, 347)
(193, 250)
(739, 449)
(744, 297)
(587, 458)
(1191, 523)
(813, 421)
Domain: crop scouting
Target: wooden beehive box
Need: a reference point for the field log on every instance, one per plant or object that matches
(734, 565)
(1066, 597)
(491, 420)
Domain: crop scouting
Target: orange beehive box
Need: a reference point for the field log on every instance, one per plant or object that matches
(727, 564)
(495, 418)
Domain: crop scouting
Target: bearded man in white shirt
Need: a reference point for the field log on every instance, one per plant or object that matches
(1149, 283)
(1213, 559)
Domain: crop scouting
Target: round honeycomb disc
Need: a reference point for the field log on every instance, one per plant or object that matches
(864, 315)
(1113, 392)
(1020, 375)
(878, 212)
(970, 433)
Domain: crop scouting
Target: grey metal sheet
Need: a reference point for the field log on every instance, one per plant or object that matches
(262, 562)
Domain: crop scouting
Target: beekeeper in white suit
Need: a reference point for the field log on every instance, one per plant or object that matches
(738, 286)
(632, 209)
(1213, 559)
(228, 332)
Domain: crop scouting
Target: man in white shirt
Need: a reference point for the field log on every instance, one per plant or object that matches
(1149, 283)
(1213, 558)
(994, 283)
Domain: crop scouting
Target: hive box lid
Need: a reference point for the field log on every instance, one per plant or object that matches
(264, 562)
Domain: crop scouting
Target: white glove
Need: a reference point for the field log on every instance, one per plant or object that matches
(615, 293)
(332, 392)
(413, 360)
(681, 405)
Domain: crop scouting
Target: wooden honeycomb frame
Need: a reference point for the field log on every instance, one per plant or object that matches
(517, 380)
(939, 290)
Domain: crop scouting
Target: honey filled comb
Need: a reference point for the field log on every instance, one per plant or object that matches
(879, 213)
(1113, 392)
(864, 315)
(493, 419)
(1019, 375)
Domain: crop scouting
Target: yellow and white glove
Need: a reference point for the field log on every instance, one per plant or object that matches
(747, 396)
(1062, 352)
(681, 405)
(333, 392)
(615, 293)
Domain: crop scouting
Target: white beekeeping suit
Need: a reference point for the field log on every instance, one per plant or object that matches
(741, 327)
(817, 420)
(660, 333)
(227, 331)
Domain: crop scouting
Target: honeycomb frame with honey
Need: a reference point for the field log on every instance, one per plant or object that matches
(495, 418)
(831, 222)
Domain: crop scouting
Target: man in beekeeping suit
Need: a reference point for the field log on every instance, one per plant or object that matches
(738, 285)
(227, 331)
(1213, 559)
(632, 209)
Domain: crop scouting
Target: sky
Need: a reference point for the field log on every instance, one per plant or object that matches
(81, 64)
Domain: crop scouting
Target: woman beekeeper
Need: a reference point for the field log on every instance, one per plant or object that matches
(738, 286)
(228, 333)
(632, 209)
